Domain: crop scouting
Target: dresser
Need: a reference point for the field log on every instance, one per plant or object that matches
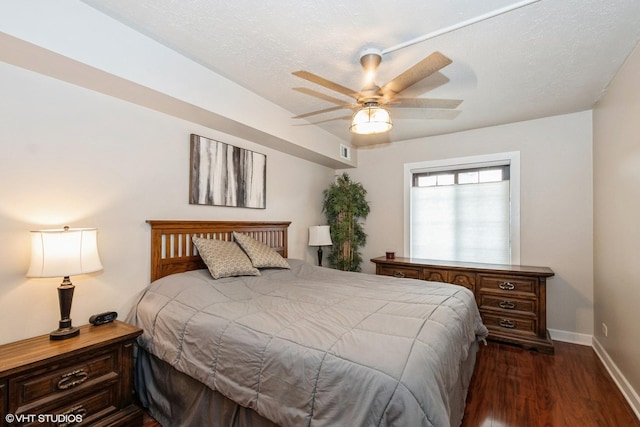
(86, 379)
(511, 298)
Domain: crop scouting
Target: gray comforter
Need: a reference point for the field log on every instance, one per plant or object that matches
(315, 346)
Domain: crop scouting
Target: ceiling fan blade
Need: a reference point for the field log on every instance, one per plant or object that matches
(422, 69)
(424, 103)
(313, 78)
(322, 96)
(424, 86)
(313, 113)
(417, 114)
(434, 81)
(324, 121)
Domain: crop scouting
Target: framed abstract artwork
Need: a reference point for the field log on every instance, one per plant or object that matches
(225, 175)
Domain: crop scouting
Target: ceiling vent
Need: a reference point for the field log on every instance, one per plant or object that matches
(345, 152)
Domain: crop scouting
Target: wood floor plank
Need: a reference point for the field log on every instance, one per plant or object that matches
(513, 387)
(548, 392)
(479, 407)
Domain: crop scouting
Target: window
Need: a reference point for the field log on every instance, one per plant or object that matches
(464, 209)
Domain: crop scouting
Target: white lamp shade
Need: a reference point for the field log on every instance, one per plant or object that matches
(370, 120)
(319, 235)
(64, 252)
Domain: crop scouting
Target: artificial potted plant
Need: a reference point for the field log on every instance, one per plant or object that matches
(344, 205)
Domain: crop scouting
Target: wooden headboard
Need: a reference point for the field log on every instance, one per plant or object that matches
(172, 250)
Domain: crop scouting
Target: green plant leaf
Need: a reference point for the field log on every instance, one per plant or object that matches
(344, 204)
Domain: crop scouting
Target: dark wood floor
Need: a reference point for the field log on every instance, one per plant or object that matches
(148, 421)
(512, 387)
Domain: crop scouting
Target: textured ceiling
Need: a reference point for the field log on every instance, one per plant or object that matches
(542, 58)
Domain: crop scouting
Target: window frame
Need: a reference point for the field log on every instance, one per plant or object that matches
(416, 175)
(472, 162)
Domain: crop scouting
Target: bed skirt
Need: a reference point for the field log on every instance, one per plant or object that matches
(175, 399)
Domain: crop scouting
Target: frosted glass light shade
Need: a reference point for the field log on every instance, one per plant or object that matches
(370, 120)
(64, 252)
(319, 235)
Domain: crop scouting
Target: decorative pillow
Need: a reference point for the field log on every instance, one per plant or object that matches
(262, 256)
(224, 259)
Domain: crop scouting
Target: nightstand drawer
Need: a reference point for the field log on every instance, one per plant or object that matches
(86, 409)
(89, 375)
(508, 284)
(56, 381)
(402, 272)
(512, 324)
(506, 304)
(4, 398)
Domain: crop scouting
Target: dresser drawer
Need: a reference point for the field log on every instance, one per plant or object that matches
(511, 298)
(435, 275)
(508, 284)
(86, 409)
(509, 324)
(506, 304)
(399, 271)
(55, 382)
(462, 278)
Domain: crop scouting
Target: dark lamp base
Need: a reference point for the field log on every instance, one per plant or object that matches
(320, 256)
(65, 297)
(63, 334)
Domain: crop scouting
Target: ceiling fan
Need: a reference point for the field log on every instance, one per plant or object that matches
(372, 102)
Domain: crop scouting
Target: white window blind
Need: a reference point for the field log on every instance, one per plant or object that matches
(455, 216)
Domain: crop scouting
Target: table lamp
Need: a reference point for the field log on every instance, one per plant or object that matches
(319, 235)
(62, 253)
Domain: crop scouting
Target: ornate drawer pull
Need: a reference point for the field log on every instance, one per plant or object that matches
(78, 411)
(506, 323)
(399, 274)
(507, 286)
(509, 305)
(72, 379)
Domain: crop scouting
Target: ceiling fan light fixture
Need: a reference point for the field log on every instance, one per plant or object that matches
(370, 120)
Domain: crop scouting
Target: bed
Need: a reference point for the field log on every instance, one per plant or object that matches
(291, 343)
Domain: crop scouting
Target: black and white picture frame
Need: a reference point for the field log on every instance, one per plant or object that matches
(225, 175)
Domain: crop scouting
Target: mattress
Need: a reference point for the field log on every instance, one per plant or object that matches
(309, 346)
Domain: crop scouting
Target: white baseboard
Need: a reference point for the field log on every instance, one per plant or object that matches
(572, 337)
(627, 390)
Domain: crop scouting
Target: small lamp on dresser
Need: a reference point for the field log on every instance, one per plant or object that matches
(63, 253)
(319, 235)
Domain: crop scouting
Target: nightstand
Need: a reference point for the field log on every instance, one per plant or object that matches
(87, 378)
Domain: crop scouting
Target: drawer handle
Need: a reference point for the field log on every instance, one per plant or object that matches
(72, 379)
(78, 413)
(507, 286)
(506, 323)
(398, 274)
(509, 305)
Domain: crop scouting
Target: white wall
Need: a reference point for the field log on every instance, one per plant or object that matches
(74, 42)
(556, 203)
(617, 227)
(71, 156)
